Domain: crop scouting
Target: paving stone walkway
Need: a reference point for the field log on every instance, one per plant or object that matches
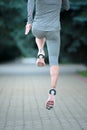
(23, 96)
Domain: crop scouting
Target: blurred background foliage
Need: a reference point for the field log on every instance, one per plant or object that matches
(14, 44)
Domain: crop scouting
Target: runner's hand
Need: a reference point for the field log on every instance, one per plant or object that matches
(27, 28)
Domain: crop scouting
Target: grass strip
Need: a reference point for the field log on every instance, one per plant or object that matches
(82, 73)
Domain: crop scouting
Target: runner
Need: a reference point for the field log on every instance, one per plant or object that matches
(46, 29)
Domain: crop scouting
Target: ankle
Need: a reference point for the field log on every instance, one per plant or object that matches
(52, 91)
(41, 51)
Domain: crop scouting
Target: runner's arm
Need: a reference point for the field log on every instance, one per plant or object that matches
(66, 4)
(30, 10)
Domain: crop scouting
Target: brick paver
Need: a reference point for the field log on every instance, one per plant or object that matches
(23, 96)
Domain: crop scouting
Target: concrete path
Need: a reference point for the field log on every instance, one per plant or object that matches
(23, 94)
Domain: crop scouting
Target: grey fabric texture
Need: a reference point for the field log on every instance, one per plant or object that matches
(46, 23)
(47, 13)
(53, 44)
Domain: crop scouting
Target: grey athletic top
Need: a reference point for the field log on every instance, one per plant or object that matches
(47, 14)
